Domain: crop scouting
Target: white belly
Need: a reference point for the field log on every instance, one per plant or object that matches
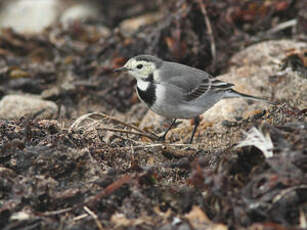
(170, 105)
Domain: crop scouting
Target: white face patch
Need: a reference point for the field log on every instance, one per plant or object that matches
(140, 69)
(143, 85)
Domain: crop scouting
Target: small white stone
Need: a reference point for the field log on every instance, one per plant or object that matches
(79, 12)
(129, 26)
(20, 216)
(29, 16)
(17, 106)
(176, 221)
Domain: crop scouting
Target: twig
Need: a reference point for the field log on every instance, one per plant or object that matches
(132, 152)
(56, 212)
(282, 26)
(130, 132)
(80, 217)
(163, 145)
(303, 222)
(127, 139)
(91, 115)
(94, 162)
(210, 32)
(126, 124)
(110, 188)
(79, 120)
(95, 217)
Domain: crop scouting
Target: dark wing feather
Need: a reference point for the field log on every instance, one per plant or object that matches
(206, 85)
(193, 82)
(203, 87)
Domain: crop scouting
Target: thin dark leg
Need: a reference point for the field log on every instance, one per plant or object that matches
(162, 138)
(196, 123)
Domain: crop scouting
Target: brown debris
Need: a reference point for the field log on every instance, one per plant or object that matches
(92, 167)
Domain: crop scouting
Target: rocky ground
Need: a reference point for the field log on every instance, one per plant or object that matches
(78, 150)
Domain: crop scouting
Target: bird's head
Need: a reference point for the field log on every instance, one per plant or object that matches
(142, 67)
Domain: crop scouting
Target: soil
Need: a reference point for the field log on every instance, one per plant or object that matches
(85, 169)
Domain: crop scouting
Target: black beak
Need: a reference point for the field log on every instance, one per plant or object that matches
(121, 69)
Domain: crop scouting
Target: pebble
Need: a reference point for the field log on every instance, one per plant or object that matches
(33, 16)
(79, 12)
(29, 16)
(129, 26)
(17, 106)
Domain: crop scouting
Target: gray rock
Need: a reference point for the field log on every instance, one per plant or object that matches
(79, 12)
(257, 71)
(17, 106)
(129, 26)
(29, 16)
(84, 11)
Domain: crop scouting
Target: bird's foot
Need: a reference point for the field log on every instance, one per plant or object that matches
(161, 138)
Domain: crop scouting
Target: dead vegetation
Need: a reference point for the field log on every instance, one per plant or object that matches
(88, 168)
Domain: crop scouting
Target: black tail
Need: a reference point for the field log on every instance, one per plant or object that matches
(233, 94)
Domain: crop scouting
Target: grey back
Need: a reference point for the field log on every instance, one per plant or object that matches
(185, 77)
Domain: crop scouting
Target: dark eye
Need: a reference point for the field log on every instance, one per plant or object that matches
(139, 66)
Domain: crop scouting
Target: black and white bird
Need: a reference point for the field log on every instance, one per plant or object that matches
(177, 91)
